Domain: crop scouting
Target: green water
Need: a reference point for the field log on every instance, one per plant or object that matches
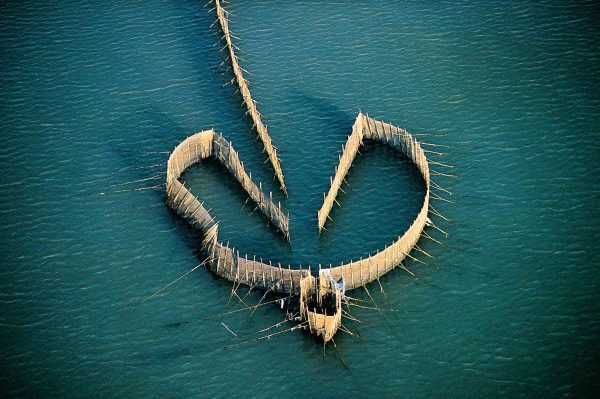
(91, 91)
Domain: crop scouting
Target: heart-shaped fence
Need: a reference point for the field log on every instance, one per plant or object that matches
(246, 269)
(320, 290)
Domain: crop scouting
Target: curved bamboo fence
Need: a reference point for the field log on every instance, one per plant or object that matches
(319, 289)
(246, 269)
(224, 261)
(364, 271)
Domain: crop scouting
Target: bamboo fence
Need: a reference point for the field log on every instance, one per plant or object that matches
(244, 89)
(246, 269)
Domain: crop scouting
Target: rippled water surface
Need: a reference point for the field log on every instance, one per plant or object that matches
(95, 94)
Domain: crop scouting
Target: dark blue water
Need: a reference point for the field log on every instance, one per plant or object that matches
(93, 91)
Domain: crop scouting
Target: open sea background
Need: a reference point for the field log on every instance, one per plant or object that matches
(93, 90)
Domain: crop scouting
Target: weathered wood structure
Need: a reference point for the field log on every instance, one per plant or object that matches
(245, 269)
(320, 289)
(244, 89)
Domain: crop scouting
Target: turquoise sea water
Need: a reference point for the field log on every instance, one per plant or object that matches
(91, 91)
